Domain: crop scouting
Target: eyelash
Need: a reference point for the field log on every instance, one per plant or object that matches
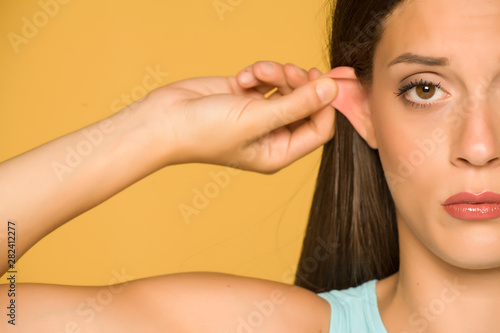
(404, 89)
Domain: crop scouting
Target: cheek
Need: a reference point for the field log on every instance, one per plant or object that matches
(411, 151)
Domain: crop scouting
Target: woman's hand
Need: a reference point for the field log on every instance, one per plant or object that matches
(229, 120)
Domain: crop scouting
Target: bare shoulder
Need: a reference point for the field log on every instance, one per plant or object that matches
(213, 302)
(185, 302)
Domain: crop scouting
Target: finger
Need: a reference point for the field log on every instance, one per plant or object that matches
(295, 76)
(260, 76)
(281, 148)
(314, 74)
(263, 76)
(312, 134)
(268, 115)
(272, 74)
(246, 78)
(296, 124)
(255, 86)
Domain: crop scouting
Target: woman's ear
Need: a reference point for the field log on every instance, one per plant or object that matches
(352, 101)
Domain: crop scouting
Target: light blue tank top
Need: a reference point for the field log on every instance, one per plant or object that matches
(354, 310)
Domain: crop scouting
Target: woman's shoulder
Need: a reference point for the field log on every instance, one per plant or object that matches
(243, 304)
(355, 309)
(184, 302)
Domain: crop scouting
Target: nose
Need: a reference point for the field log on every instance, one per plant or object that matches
(477, 137)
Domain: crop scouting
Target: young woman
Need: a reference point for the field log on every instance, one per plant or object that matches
(407, 198)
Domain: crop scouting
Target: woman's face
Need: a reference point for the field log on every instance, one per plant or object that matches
(435, 107)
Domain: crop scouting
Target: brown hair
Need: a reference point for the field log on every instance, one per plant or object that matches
(352, 234)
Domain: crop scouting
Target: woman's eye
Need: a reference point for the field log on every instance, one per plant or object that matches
(425, 93)
(421, 93)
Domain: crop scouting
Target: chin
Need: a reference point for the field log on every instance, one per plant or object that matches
(485, 257)
(470, 244)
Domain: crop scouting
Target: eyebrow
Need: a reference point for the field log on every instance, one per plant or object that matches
(410, 58)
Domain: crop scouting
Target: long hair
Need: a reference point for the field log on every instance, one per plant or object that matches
(352, 234)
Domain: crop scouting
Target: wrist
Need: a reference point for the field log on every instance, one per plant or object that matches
(146, 131)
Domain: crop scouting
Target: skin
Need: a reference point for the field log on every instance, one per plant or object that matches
(448, 279)
(236, 125)
(241, 128)
(465, 156)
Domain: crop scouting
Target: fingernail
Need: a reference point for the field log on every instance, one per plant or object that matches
(326, 90)
(267, 68)
(246, 78)
(301, 72)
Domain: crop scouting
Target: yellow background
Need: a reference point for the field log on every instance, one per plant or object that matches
(69, 74)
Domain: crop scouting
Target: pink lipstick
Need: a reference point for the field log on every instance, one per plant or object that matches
(470, 206)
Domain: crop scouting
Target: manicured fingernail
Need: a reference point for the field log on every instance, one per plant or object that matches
(326, 90)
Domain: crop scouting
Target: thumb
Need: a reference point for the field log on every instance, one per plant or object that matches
(301, 103)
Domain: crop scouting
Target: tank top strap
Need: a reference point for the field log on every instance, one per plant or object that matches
(355, 309)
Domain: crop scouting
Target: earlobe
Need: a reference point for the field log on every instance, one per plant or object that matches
(352, 102)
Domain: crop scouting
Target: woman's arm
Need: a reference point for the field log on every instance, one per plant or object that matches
(51, 184)
(180, 303)
(212, 120)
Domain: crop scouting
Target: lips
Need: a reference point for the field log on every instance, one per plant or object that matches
(470, 206)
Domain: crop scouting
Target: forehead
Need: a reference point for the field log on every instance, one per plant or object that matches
(467, 32)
